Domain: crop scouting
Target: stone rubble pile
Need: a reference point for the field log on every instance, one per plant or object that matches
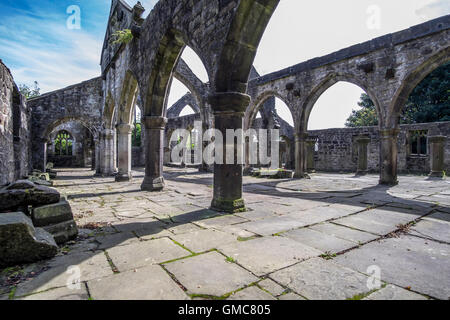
(35, 220)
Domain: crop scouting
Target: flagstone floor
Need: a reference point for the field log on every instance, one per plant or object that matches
(331, 237)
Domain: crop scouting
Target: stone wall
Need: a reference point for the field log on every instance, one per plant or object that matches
(81, 103)
(14, 130)
(337, 151)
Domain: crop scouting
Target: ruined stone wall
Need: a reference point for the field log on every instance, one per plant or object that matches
(14, 130)
(81, 103)
(337, 150)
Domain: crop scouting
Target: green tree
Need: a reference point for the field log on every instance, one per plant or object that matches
(29, 92)
(137, 135)
(429, 102)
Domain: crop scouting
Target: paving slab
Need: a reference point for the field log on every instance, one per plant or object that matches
(391, 292)
(319, 279)
(195, 274)
(265, 255)
(204, 240)
(147, 229)
(345, 233)
(407, 261)
(116, 239)
(318, 240)
(221, 221)
(269, 285)
(61, 294)
(432, 229)
(270, 226)
(145, 253)
(91, 266)
(251, 293)
(290, 297)
(147, 283)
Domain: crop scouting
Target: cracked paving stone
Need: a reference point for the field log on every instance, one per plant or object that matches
(196, 275)
(204, 240)
(274, 288)
(61, 294)
(391, 292)
(265, 255)
(345, 233)
(432, 228)
(251, 293)
(319, 279)
(406, 261)
(147, 283)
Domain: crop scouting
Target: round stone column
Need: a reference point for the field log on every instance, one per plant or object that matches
(124, 151)
(300, 157)
(388, 156)
(310, 151)
(437, 155)
(229, 111)
(154, 153)
(106, 153)
(363, 143)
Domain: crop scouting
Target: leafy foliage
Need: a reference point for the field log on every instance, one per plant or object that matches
(29, 92)
(136, 138)
(121, 37)
(429, 102)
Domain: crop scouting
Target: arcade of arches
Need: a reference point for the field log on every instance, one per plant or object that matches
(116, 130)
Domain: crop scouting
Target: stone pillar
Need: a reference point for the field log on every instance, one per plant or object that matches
(363, 143)
(437, 155)
(229, 111)
(300, 148)
(388, 156)
(124, 152)
(106, 153)
(154, 153)
(310, 152)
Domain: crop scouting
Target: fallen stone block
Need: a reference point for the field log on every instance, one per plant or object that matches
(63, 232)
(20, 242)
(26, 193)
(52, 214)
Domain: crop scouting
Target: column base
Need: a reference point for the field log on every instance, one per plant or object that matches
(302, 176)
(153, 184)
(437, 174)
(388, 183)
(229, 206)
(123, 177)
(362, 173)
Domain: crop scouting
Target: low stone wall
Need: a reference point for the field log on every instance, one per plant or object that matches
(337, 150)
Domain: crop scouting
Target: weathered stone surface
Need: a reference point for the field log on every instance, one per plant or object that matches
(63, 232)
(269, 285)
(52, 214)
(204, 240)
(196, 276)
(425, 260)
(319, 241)
(268, 254)
(344, 232)
(251, 293)
(20, 242)
(391, 292)
(319, 279)
(61, 271)
(61, 294)
(147, 283)
(145, 253)
(24, 192)
(434, 229)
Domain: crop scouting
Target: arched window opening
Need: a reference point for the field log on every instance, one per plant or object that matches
(187, 111)
(63, 144)
(195, 64)
(283, 111)
(177, 91)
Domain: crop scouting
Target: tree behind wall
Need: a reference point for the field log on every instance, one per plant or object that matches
(429, 102)
(29, 92)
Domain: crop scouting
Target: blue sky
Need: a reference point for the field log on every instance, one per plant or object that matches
(36, 44)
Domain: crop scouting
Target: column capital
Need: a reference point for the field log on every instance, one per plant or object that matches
(154, 122)
(229, 102)
(125, 128)
(437, 139)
